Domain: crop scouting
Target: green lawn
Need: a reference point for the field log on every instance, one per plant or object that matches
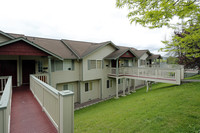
(194, 77)
(167, 108)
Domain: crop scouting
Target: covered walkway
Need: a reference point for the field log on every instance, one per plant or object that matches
(27, 115)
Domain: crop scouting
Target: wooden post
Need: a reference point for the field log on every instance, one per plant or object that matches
(66, 115)
(117, 89)
(124, 86)
(129, 86)
(134, 86)
(49, 69)
(147, 86)
(117, 68)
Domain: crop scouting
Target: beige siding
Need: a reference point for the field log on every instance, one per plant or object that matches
(144, 56)
(3, 39)
(98, 55)
(66, 75)
(75, 89)
(91, 94)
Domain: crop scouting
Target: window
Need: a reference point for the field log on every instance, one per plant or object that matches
(68, 65)
(108, 84)
(88, 86)
(126, 63)
(99, 64)
(40, 68)
(58, 65)
(68, 87)
(94, 64)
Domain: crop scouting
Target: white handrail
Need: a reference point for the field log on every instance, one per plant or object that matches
(54, 103)
(5, 106)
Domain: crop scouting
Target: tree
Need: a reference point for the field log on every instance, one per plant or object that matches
(185, 43)
(158, 13)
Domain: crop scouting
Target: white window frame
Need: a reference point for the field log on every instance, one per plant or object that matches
(96, 64)
(90, 86)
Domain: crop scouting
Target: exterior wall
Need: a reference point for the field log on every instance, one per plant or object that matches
(19, 60)
(21, 48)
(144, 56)
(91, 94)
(98, 55)
(75, 89)
(3, 39)
(66, 75)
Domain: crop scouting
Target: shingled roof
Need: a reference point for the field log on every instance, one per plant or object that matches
(139, 53)
(116, 54)
(155, 56)
(69, 49)
(52, 45)
(82, 48)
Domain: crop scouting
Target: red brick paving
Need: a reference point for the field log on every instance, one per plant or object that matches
(27, 115)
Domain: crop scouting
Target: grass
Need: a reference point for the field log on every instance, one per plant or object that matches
(194, 77)
(167, 108)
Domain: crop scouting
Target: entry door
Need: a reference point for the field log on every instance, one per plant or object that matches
(28, 67)
(9, 68)
(113, 63)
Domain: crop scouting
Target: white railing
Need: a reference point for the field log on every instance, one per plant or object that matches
(154, 74)
(43, 77)
(59, 106)
(5, 106)
(3, 81)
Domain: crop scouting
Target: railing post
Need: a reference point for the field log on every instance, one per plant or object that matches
(117, 89)
(124, 86)
(66, 115)
(117, 68)
(49, 69)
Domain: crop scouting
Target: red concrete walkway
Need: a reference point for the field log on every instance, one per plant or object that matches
(27, 115)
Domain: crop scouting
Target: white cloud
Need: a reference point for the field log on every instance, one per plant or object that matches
(86, 20)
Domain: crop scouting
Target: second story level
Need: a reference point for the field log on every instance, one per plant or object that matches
(67, 60)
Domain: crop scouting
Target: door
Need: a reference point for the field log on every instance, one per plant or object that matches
(28, 67)
(113, 63)
(9, 68)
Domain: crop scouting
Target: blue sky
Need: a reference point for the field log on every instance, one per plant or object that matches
(83, 20)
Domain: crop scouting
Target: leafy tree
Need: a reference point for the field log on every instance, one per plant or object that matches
(158, 13)
(185, 43)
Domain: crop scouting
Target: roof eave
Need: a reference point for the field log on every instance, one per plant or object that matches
(71, 49)
(7, 35)
(109, 42)
(31, 43)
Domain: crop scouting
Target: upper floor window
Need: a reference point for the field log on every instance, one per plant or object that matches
(68, 65)
(94, 64)
(58, 65)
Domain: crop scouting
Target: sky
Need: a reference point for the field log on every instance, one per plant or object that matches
(81, 20)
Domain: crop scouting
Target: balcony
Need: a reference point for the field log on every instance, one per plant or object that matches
(166, 74)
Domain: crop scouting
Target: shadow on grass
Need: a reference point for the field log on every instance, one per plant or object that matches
(157, 88)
